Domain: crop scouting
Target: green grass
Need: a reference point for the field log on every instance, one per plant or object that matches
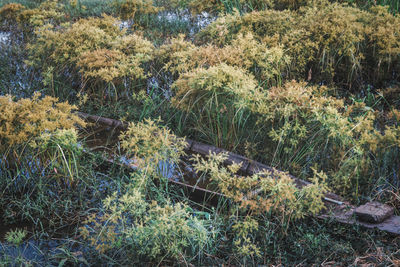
(84, 8)
(393, 5)
(57, 208)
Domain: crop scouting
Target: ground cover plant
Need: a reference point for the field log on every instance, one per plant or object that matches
(308, 87)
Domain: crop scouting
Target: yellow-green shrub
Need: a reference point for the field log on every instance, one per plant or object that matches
(82, 36)
(222, 83)
(96, 48)
(148, 231)
(123, 61)
(50, 11)
(212, 6)
(327, 42)
(264, 194)
(131, 9)
(25, 119)
(177, 50)
(217, 97)
(40, 131)
(306, 127)
(151, 144)
(60, 150)
(228, 6)
(139, 226)
(292, 4)
(245, 52)
(383, 37)
(9, 13)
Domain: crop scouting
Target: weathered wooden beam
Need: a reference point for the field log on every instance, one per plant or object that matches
(248, 166)
(336, 208)
(103, 121)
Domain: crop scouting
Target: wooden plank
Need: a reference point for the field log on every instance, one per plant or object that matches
(205, 150)
(336, 208)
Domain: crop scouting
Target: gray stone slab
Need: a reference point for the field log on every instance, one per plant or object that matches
(373, 212)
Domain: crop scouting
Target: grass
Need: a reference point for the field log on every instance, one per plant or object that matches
(83, 8)
(393, 5)
(85, 211)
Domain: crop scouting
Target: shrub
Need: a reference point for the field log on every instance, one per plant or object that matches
(132, 9)
(50, 11)
(151, 144)
(244, 52)
(26, 119)
(217, 98)
(142, 230)
(306, 127)
(59, 150)
(45, 180)
(9, 13)
(96, 48)
(272, 192)
(327, 42)
(259, 198)
(383, 32)
(229, 6)
(40, 132)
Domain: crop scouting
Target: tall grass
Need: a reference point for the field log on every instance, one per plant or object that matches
(393, 5)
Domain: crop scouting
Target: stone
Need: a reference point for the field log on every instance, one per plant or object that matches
(373, 212)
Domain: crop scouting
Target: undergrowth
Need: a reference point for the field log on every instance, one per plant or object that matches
(308, 87)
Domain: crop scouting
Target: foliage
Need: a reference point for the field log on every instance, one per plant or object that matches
(231, 86)
(271, 192)
(308, 127)
(326, 42)
(150, 144)
(50, 11)
(392, 5)
(147, 231)
(97, 48)
(218, 97)
(244, 52)
(132, 9)
(9, 13)
(141, 229)
(60, 150)
(26, 119)
(45, 180)
(40, 156)
(16, 237)
(228, 6)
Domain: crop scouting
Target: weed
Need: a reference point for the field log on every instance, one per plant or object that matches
(16, 237)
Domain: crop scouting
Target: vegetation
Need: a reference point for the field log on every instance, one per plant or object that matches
(308, 87)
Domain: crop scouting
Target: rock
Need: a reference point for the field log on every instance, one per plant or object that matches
(373, 212)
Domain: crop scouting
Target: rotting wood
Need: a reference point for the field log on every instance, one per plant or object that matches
(173, 180)
(336, 207)
(248, 166)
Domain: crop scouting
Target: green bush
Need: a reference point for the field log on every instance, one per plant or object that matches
(96, 56)
(27, 120)
(142, 226)
(267, 65)
(217, 98)
(326, 42)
